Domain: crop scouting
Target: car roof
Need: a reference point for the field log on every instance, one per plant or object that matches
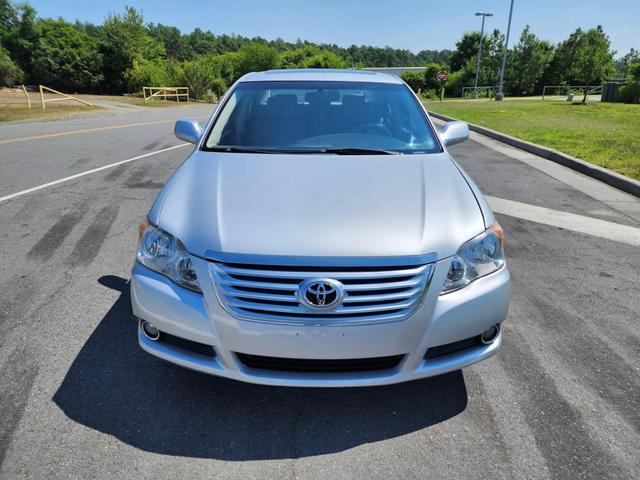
(320, 74)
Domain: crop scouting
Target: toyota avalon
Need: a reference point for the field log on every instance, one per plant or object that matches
(320, 234)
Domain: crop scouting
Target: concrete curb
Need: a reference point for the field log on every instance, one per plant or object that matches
(609, 177)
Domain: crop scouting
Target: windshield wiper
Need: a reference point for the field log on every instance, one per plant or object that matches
(358, 151)
(241, 150)
(330, 150)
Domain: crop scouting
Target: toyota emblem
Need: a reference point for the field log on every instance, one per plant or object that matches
(321, 293)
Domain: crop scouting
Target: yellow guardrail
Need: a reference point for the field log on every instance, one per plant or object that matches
(26, 94)
(43, 101)
(150, 93)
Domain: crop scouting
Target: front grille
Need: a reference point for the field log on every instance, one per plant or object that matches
(201, 348)
(269, 293)
(319, 366)
(442, 350)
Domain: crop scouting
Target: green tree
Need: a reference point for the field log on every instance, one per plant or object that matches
(454, 83)
(229, 66)
(631, 58)
(65, 58)
(593, 61)
(10, 73)
(630, 91)
(466, 54)
(176, 46)
(8, 17)
(466, 49)
(21, 36)
(297, 57)
(257, 57)
(325, 59)
(442, 57)
(561, 66)
(124, 39)
(202, 43)
(149, 73)
(415, 80)
(584, 58)
(431, 75)
(527, 63)
(202, 75)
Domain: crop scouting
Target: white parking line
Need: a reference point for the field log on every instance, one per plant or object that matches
(568, 221)
(88, 172)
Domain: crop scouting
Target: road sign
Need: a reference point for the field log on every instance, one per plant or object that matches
(442, 75)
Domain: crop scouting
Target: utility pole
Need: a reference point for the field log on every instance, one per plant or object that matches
(483, 15)
(500, 94)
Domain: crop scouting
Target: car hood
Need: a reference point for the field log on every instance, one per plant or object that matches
(318, 205)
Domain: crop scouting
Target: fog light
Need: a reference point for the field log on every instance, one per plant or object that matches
(150, 331)
(490, 334)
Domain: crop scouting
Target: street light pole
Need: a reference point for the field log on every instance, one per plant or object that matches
(500, 94)
(483, 15)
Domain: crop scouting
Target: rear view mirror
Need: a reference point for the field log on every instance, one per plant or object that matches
(454, 132)
(188, 130)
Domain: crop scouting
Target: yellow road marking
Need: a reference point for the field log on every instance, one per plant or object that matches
(88, 130)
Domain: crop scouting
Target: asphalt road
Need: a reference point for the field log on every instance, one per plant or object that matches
(79, 399)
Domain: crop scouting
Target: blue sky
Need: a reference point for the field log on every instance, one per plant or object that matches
(411, 24)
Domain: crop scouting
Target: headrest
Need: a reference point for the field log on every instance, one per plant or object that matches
(282, 101)
(351, 101)
(322, 96)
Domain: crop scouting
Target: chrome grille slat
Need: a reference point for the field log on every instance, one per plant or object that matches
(269, 293)
(385, 286)
(338, 275)
(256, 295)
(383, 296)
(239, 303)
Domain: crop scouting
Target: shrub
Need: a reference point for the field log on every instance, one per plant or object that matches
(257, 57)
(630, 93)
(415, 80)
(228, 66)
(148, 74)
(454, 83)
(325, 59)
(218, 87)
(10, 73)
(200, 76)
(431, 75)
(65, 57)
(430, 94)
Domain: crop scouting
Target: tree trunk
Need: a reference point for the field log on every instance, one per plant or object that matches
(586, 92)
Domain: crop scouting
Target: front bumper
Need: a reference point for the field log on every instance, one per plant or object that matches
(200, 318)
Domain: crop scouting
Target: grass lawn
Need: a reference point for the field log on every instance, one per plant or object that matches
(13, 111)
(139, 101)
(606, 134)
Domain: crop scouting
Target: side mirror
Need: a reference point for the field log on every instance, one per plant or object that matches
(188, 130)
(454, 132)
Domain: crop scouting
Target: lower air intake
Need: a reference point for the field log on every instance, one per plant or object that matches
(454, 347)
(319, 366)
(185, 344)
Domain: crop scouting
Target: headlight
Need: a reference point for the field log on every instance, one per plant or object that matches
(476, 258)
(163, 253)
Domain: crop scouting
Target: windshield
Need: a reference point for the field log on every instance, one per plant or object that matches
(323, 117)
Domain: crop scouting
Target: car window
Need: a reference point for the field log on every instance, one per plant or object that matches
(299, 116)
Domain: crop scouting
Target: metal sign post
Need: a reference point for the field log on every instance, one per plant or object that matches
(500, 94)
(442, 76)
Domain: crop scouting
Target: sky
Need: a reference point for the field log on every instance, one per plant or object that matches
(412, 24)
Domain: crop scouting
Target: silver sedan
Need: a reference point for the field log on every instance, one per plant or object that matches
(320, 234)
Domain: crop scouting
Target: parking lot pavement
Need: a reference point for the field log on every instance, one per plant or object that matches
(79, 399)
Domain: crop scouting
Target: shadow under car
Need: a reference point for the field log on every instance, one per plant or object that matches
(116, 388)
